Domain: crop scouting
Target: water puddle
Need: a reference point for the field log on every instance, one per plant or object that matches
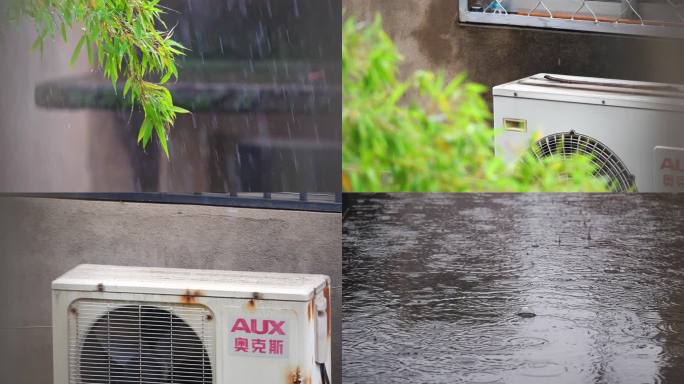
(434, 285)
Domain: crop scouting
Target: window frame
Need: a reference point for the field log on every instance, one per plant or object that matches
(290, 201)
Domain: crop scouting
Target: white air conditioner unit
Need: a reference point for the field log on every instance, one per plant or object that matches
(634, 130)
(152, 325)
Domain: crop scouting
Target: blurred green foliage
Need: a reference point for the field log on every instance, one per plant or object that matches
(133, 45)
(427, 133)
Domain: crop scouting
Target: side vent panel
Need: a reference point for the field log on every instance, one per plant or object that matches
(126, 342)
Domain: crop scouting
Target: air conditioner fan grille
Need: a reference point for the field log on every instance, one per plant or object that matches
(116, 343)
(608, 164)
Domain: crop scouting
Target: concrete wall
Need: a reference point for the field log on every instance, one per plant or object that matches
(429, 36)
(42, 238)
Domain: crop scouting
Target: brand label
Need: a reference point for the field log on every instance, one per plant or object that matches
(259, 336)
(669, 164)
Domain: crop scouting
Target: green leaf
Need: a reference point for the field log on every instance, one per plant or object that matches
(166, 77)
(143, 65)
(91, 58)
(142, 133)
(37, 43)
(179, 109)
(161, 133)
(127, 86)
(77, 50)
(100, 56)
(64, 32)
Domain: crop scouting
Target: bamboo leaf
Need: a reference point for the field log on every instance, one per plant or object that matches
(64, 32)
(166, 77)
(161, 134)
(77, 50)
(143, 131)
(180, 110)
(127, 86)
(91, 58)
(132, 43)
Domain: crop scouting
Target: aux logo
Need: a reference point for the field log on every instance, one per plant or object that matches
(268, 327)
(672, 165)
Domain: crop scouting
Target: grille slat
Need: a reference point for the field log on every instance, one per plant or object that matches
(123, 337)
(185, 362)
(115, 342)
(96, 372)
(608, 165)
(178, 354)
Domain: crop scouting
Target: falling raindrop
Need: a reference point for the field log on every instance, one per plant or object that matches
(296, 7)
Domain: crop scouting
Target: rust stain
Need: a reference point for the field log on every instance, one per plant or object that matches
(294, 377)
(326, 293)
(251, 305)
(307, 380)
(73, 310)
(190, 297)
(100, 287)
(310, 310)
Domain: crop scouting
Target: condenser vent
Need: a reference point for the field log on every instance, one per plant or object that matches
(609, 165)
(117, 342)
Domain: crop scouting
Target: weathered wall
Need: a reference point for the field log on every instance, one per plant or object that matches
(429, 36)
(42, 238)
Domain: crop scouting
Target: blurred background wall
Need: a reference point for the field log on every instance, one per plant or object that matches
(39, 150)
(40, 239)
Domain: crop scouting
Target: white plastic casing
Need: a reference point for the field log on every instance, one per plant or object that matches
(643, 123)
(228, 296)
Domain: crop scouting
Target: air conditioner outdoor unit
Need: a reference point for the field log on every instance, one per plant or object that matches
(154, 325)
(633, 130)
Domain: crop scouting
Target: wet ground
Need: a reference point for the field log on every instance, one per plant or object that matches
(433, 285)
